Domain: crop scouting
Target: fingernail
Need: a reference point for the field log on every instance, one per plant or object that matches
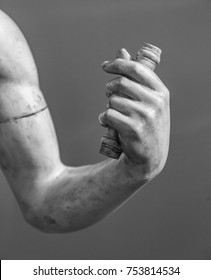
(101, 119)
(105, 63)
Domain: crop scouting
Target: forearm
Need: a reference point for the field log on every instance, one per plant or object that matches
(81, 196)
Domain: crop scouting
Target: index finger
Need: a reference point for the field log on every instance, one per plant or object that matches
(134, 71)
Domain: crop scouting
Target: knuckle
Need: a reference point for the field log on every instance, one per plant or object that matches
(116, 65)
(160, 102)
(135, 69)
(111, 101)
(115, 101)
(119, 65)
(108, 114)
(165, 94)
(153, 112)
(121, 83)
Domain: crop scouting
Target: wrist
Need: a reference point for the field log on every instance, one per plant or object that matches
(140, 172)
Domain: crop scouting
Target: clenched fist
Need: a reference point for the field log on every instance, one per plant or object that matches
(138, 109)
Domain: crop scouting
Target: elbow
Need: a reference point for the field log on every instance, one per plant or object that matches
(59, 207)
(61, 222)
(41, 221)
(48, 225)
(38, 216)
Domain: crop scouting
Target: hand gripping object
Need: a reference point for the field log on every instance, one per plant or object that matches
(148, 55)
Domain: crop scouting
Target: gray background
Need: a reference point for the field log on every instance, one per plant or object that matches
(170, 218)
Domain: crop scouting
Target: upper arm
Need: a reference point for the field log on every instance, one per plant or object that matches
(19, 87)
(28, 143)
(16, 61)
(29, 152)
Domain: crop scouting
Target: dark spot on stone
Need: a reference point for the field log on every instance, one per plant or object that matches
(50, 219)
(5, 163)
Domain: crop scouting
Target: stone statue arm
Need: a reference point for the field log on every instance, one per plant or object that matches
(56, 198)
